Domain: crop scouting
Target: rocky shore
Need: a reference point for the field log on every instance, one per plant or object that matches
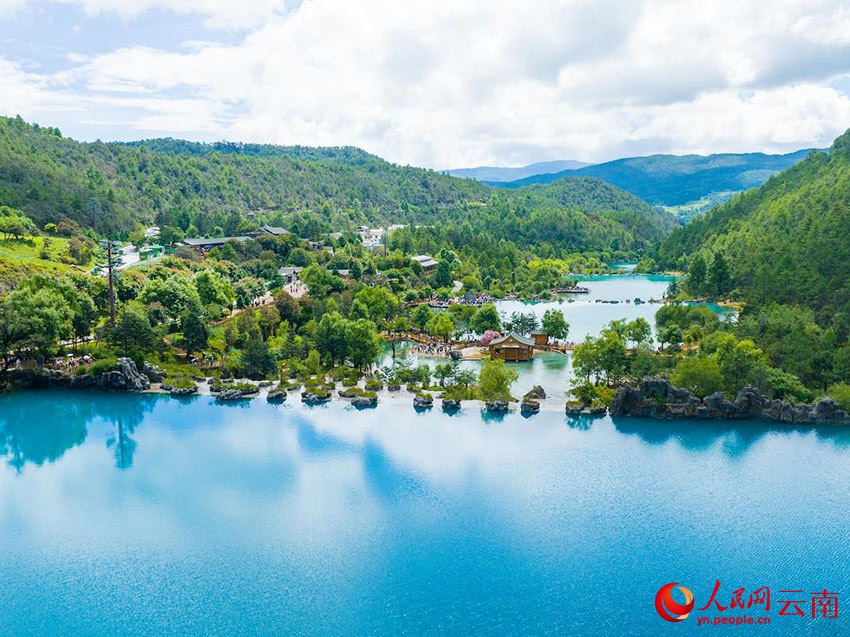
(125, 376)
(651, 398)
(658, 398)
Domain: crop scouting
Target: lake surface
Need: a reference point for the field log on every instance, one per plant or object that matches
(140, 515)
(587, 317)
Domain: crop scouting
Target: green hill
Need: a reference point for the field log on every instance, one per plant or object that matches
(226, 187)
(786, 241)
(671, 180)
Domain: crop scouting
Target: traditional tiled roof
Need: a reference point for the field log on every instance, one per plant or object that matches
(212, 241)
(514, 336)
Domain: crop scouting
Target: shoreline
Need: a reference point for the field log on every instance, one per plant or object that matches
(403, 396)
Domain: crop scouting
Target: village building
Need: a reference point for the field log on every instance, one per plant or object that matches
(274, 230)
(429, 264)
(208, 243)
(290, 274)
(371, 237)
(512, 348)
(541, 339)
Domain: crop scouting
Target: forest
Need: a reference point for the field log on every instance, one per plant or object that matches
(777, 252)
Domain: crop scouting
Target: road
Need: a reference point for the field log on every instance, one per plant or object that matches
(129, 256)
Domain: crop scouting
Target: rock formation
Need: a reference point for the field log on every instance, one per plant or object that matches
(658, 398)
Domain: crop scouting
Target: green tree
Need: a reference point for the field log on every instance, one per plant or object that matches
(444, 372)
(441, 326)
(555, 324)
(638, 331)
(486, 318)
(718, 275)
(840, 393)
(132, 332)
(320, 282)
(495, 380)
(670, 335)
(443, 277)
(741, 362)
(195, 332)
(214, 289)
(382, 303)
(698, 374)
(697, 273)
(331, 338)
(421, 316)
(177, 294)
(363, 344)
(257, 360)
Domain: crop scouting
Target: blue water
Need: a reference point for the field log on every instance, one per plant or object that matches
(144, 515)
(586, 316)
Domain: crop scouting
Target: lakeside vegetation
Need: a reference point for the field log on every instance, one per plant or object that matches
(228, 311)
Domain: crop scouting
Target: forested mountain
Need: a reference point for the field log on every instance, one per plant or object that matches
(500, 174)
(341, 154)
(786, 241)
(205, 188)
(672, 180)
(569, 216)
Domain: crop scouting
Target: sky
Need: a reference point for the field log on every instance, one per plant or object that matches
(436, 83)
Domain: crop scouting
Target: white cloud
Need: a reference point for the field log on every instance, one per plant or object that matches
(442, 83)
(221, 14)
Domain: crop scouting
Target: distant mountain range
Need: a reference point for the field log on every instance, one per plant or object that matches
(671, 180)
(498, 174)
(786, 241)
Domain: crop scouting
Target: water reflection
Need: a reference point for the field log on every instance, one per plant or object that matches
(42, 430)
(40, 427)
(384, 519)
(735, 438)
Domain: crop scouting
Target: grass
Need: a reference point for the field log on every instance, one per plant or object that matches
(181, 382)
(20, 257)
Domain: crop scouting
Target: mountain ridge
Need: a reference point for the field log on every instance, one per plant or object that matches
(785, 241)
(673, 180)
(499, 174)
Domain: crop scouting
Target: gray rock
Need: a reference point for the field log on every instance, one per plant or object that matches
(450, 404)
(182, 391)
(536, 393)
(423, 402)
(276, 396)
(229, 395)
(574, 409)
(718, 406)
(363, 402)
(315, 397)
(496, 406)
(154, 373)
(530, 407)
(124, 377)
(657, 398)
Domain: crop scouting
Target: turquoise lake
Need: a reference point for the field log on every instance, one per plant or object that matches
(147, 515)
(586, 318)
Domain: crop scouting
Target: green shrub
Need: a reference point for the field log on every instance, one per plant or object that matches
(98, 367)
(840, 393)
(594, 395)
(181, 382)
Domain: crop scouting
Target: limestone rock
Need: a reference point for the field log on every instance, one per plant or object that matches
(530, 407)
(423, 402)
(276, 396)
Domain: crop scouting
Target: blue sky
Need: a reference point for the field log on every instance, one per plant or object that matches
(435, 82)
